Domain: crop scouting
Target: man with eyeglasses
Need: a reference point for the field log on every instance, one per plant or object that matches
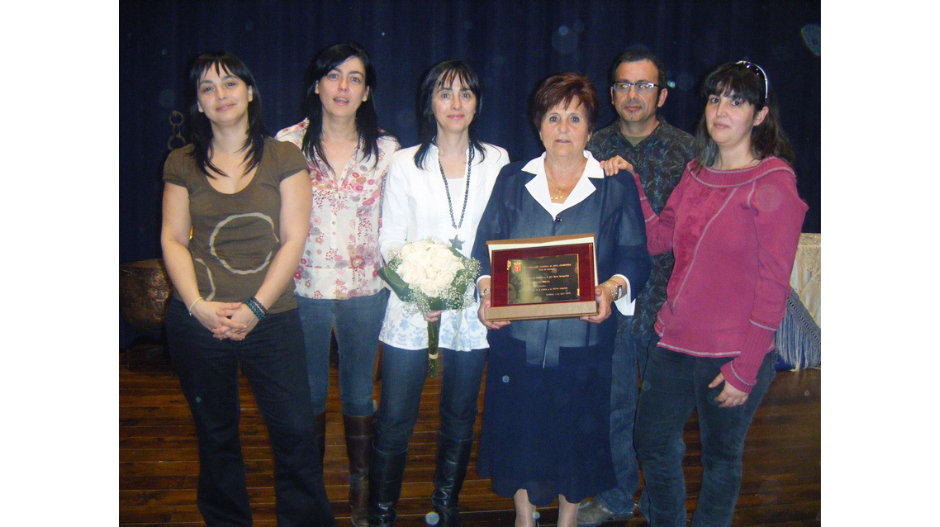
(657, 152)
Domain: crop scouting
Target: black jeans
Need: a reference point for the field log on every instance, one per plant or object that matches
(674, 385)
(272, 359)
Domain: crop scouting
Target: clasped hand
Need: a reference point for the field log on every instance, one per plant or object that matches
(226, 320)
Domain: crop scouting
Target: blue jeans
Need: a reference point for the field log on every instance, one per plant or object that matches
(674, 385)
(403, 374)
(271, 358)
(629, 353)
(357, 322)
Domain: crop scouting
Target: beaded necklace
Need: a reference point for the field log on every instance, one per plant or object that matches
(456, 242)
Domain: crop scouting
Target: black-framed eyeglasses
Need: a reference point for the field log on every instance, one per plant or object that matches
(641, 87)
(761, 74)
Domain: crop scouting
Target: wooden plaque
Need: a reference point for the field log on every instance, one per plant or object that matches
(548, 277)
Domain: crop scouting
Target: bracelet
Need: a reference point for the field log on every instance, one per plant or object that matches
(257, 308)
(191, 306)
(613, 289)
(260, 306)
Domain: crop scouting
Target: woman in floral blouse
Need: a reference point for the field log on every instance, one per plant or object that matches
(438, 188)
(337, 284)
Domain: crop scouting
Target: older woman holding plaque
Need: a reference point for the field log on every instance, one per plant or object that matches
(546, 412)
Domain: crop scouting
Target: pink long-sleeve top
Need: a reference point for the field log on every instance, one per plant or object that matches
(734, 234)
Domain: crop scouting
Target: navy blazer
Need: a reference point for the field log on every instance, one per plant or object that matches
(612, 213)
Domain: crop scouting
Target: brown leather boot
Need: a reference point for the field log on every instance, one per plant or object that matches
(359, 433)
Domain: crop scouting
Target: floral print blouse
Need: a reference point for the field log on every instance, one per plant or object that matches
(341, 258)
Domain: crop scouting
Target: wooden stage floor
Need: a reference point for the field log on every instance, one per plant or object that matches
(159, 462)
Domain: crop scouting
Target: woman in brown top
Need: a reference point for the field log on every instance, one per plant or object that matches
(235, 209)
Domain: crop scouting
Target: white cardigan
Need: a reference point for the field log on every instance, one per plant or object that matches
(414, 207)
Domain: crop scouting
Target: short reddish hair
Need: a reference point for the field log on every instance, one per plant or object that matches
(564, 87)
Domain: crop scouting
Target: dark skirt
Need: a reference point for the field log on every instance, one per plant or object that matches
(547, 430)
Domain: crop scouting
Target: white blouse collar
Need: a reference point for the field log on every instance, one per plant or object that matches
(538, 186)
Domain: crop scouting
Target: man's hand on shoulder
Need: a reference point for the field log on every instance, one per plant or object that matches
(615, 165)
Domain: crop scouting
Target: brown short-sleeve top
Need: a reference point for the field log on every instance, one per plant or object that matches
(235, 236)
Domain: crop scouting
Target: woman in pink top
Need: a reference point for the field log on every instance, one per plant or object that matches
(733, 223)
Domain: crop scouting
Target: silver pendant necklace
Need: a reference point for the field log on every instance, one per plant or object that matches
(456, 242)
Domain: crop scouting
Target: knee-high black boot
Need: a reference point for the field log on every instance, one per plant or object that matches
(452, 459)
(385, 474)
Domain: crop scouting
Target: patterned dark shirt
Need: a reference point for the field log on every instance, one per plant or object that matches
(660, 160)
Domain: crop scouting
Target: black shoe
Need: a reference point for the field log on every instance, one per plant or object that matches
(592, 512)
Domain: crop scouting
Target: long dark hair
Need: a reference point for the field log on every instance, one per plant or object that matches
(748, 82)
(443, 74)
(201, 128)
(366, 120)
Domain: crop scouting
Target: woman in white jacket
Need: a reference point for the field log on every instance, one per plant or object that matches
(439, 189)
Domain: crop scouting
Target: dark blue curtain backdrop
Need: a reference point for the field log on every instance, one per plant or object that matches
(511, 44)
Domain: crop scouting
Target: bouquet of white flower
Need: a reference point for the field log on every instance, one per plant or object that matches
(429, 275)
